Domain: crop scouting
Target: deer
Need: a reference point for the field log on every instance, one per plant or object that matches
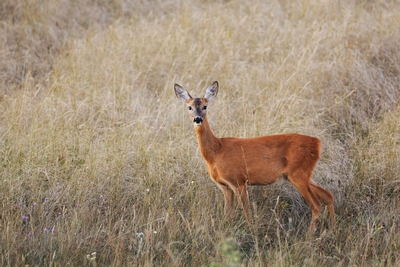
(235, 163)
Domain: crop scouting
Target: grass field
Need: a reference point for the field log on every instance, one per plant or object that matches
(99, 163)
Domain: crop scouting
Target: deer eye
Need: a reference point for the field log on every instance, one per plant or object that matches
(190, 108)
(205, 107)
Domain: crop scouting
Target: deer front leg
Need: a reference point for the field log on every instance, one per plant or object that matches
(243, 198)
(228, 199)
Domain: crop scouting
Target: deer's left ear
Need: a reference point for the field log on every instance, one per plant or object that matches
(181, 93)
(212, 91)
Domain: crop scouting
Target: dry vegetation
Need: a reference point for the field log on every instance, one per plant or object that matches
(99, 164)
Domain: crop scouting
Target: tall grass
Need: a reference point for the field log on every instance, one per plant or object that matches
(99, 162)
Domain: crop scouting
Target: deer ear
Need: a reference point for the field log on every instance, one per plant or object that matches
(212, 91)
(181, 93)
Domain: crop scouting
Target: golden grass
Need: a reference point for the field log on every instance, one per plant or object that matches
(98, 155)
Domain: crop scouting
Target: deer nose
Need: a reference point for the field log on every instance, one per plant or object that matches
(198, 120)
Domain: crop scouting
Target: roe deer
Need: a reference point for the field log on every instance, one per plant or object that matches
(234, 163)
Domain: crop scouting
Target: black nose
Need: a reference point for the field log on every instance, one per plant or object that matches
(198, 120)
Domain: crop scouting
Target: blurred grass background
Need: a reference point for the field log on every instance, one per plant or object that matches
(99, 161)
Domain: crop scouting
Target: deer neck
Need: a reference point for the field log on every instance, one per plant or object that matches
(209, 144)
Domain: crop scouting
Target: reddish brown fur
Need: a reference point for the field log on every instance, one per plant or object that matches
(234, 163)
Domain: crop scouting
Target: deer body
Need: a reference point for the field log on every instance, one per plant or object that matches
(234, 163)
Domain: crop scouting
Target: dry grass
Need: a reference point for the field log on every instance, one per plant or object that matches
(98, 155)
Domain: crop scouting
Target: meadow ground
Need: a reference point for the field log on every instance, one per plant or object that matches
(99, 164)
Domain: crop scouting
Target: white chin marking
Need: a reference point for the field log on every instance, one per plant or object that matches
(197, 123)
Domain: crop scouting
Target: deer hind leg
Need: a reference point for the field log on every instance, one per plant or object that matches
(302, 183)
(325, 197)
(228, 200)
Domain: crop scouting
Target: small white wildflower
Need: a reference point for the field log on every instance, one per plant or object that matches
(155, 232)
(170, 198)
(91, 256)
(147, 190)
(140, 235)
(192, 182)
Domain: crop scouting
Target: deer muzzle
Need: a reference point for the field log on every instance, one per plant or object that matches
(197, 120)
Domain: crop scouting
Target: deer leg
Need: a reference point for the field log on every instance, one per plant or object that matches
(243, 198)
(228, 200)
(325, 197)
(303, 185)
(315, 209)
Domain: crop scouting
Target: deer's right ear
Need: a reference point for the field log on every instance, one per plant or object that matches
(181, 93)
